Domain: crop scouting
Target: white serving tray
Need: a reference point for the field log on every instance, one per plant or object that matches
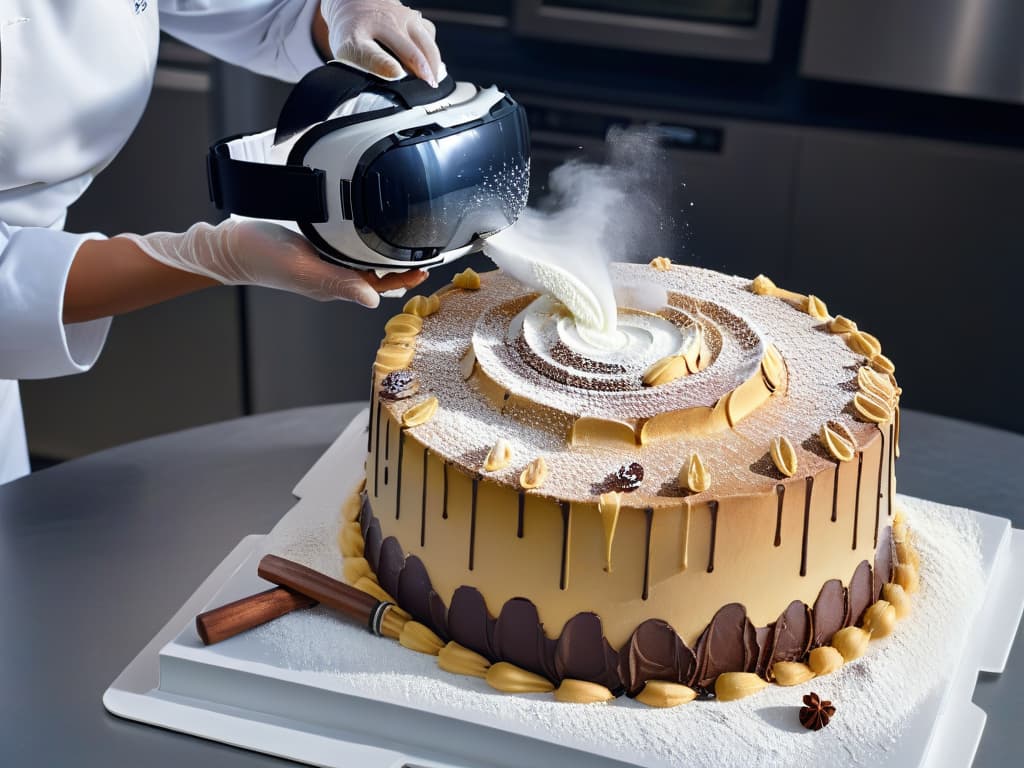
(237, 694)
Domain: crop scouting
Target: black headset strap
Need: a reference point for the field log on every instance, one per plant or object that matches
(262, 190)
(321, 90)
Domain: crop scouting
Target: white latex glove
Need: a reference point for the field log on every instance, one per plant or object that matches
(263, 253)
(357, 30)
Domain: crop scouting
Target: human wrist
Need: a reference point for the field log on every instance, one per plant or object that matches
(115, 276)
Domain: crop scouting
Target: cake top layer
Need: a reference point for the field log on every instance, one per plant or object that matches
(722, 371)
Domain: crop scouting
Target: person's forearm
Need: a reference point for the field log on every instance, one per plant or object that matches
(112, 277)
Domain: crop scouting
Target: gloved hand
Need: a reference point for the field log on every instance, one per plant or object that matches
(358, 28)
(266, 254)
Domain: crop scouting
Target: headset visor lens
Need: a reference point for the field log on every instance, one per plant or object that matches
(440, 191)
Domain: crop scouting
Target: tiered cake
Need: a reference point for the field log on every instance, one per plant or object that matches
(711, 494)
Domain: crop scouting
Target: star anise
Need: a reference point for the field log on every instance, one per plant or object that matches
(815, 713)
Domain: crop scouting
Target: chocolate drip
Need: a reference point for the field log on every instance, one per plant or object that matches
(414, 595)
(563, 579)
(884, 558)
(444, 496)
(398, 484)
(583, 653)
(372, 542)
(878, 501)
(373, 402)
(519, 638)
(522, 509)
(655, 652)
(472, 521)
(856, 499)
(376, 455)
(385, 474)
(835, 496)
(648, 519)
(728, 644)
(390, 564)
(780, 491)
(794, 631)
(423, 498)
(831, 611)
(713, 509)
(892, 474)
(469, 623)
(387, 441)
(807, 525)
(860, 591)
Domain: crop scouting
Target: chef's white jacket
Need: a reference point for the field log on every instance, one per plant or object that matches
(75, 76)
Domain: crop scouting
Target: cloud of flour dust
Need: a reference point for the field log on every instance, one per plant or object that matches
(594, 214)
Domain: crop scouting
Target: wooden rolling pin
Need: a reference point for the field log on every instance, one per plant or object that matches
(299, 587)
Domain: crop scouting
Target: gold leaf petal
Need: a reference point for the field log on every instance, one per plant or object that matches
(468, 280)
(661, 264)
(499, 457)
(535, 474)
(694, 476)
(784, 456)
(772, 367)
(863, 344)
(665, 370)
(842, 324)
(420, 413)
(762, 286)
(838, 441)
(816, 308)
(869, 408)
(422, 306)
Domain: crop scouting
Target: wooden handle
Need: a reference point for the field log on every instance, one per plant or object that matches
(233, 618)
(331, 592)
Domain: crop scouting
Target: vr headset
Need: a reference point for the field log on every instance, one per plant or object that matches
(417, 182)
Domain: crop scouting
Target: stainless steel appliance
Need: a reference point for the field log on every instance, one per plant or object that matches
(740, 30)
(972, 48)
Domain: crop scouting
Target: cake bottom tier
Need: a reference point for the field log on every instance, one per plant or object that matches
(654, 651)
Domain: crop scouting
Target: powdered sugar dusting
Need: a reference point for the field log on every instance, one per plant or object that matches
(819, 365)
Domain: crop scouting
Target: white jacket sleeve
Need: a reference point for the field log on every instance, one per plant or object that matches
(269, 37)
(34, 341)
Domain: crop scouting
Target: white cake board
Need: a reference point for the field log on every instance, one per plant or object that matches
(238, 693)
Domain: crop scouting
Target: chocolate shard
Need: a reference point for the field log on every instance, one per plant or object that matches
(765, 641)
(372, 541)
(470, 624)
(389, 567)
(583, 653)
(860, 590)
(728, 644)
(438, 615)
(794, 630)
(365, 513)
(414, 591)
(831, 611)
(655, 652)
(884, 558)
(519, 638)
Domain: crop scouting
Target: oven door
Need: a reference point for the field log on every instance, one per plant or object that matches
(738, 30)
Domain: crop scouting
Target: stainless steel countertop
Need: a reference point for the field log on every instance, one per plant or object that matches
(96, 554)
